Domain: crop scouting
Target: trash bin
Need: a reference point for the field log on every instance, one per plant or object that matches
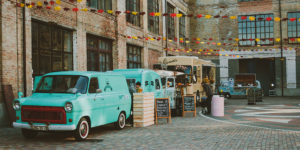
(251, 96)
(217, 106)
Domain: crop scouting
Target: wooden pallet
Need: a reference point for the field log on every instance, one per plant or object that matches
(143, 109)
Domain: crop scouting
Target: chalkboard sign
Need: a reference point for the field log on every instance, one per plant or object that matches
(189, 104)
(162, 109)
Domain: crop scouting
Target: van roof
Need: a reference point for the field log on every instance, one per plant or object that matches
(82, 73)
(133, 70)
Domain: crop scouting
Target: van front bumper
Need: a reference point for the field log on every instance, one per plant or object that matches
(50, 127)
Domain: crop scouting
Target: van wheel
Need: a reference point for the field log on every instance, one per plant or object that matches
(82, 130)
(120, 124)
(29, 134)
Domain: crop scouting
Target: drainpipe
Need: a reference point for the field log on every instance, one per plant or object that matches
(281, 52)
(24, 52)
(166, 17)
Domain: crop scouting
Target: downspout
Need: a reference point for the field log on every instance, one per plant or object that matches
(166, 17)
(24, 52)
(281, 52)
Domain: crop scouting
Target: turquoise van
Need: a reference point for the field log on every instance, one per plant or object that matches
(149, 79)
(74, 101)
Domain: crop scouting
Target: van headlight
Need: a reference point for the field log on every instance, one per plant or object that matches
(16, 105)
(68, 107)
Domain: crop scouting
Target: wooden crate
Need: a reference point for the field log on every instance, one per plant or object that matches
(143, 109)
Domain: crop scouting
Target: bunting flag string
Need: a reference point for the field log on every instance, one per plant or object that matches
(55, 5)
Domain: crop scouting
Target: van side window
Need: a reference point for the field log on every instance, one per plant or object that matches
(152, 83)
(170, 82)
(94, 85)
(157, 86)
(146, 83)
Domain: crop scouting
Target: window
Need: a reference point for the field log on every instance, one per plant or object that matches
(153, 21)
(52, 48)
(182, 28)
(259, 28)
(157, 85)
(63, 84)
(294, 27)
(133, 5)
(134, 57)
(100, 4)
(171, 22)
(94, 85)
(99, 54)
(171, 82)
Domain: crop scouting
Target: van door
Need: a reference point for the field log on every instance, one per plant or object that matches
(111, 99)
(97, 101)
(170, 91)
(158, 89)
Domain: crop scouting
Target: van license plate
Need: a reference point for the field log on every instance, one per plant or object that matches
(40, 128)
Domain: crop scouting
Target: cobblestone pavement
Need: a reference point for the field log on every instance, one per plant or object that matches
(273, 112)
(184, 133)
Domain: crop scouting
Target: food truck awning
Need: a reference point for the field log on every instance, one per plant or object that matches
(164, 73)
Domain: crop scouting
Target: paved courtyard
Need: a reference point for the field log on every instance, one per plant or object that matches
(199, 132)
(272, 112)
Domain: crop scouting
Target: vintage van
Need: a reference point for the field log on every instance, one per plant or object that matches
(74, 101)
(149, 79)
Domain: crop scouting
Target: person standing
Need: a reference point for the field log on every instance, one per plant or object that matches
(138, 87)
(209, 95)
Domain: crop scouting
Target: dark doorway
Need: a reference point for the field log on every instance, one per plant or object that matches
(264, 68)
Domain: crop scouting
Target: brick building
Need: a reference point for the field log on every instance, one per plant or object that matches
(258, 49)
(56, 37)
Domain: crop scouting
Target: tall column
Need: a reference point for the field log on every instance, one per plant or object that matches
(145, 27)
(120, 48)
(224, 69)
(80, 47)
(291, 71)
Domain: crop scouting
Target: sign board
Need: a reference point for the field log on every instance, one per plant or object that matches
(162, 109)
(189, 104)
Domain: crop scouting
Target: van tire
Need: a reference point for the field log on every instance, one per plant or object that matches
(120, 124)
(29, 134)
(82, 130)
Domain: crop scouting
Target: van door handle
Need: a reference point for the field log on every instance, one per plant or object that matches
(121, 96)
(100, 97)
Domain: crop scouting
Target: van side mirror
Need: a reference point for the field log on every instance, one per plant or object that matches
(20, 94)
(98, 91)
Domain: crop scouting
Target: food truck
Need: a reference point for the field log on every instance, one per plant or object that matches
(195, 71)
(150, 80)
(169, 85)
(239, 85)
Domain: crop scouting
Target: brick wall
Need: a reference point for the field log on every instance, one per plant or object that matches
(81, 23)
(153, 59)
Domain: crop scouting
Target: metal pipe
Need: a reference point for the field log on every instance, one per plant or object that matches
(281, 51)
(167, 38)
(24, 51)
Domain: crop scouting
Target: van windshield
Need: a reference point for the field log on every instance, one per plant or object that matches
(63, 84)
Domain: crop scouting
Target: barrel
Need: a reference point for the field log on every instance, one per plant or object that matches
(217, 106)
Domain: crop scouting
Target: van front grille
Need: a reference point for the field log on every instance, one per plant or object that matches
(42, 114)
